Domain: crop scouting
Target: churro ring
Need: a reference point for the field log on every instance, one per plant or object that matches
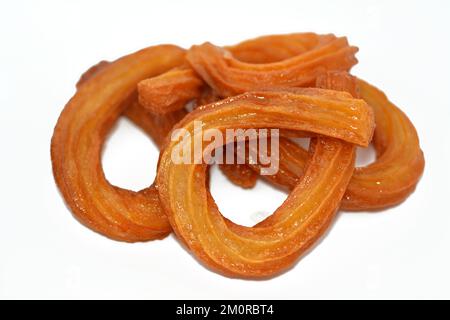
(400, 161)
(229, 76)
(399, 164)
(78, 138)
(273, 246)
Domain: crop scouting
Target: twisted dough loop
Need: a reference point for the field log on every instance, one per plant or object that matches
(78, 138)
(229, 76)
(276, 243)
(394, 174)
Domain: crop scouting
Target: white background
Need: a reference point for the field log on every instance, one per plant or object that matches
(45, 253)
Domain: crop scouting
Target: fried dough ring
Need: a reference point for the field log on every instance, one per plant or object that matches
(229, 76)
(394, 174)
(274, 245)
(77, 142)
(400, 161)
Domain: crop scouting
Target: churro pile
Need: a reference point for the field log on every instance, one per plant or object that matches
(297, 83)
